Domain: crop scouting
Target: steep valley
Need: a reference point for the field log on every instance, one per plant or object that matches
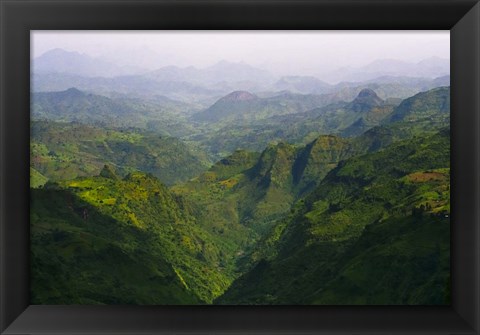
(298, 202)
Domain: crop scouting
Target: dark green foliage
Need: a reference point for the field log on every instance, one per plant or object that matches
(319, 254)
(80, 255)
(254, 190)
(236, 163)
(401, 261)
(137, 214)
(318, 158)
(408, 257)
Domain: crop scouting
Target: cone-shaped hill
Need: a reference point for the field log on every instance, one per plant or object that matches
(365, 101)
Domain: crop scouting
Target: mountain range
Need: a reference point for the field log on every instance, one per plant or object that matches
(58, 70)
(230, 185)
(218, 243)
(240, 119)
(74, 63)
(427, 68)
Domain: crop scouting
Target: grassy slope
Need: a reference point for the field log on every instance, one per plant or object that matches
(98, 260)
(151, 220)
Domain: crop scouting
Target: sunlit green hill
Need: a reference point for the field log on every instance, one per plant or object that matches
(431, 104)
(252, 190)
(138, 241)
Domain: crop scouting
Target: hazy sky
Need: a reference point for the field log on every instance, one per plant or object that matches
(278, 51)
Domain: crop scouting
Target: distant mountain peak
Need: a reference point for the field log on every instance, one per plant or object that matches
(366, 100)
(73, 92)
(367, 92)
(369, 96)
(302, 84)
(239, 96)
(59, 51)
(72, 62)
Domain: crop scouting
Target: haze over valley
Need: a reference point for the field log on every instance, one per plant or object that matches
(168, 172)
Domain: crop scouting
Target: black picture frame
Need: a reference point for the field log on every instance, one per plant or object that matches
(18, 17)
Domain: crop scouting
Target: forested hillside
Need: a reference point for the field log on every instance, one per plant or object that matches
(365, 230)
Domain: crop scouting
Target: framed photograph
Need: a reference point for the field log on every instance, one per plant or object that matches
(240, 167)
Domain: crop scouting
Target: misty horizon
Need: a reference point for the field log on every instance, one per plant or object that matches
(324, 55)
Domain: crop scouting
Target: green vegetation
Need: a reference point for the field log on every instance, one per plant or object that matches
(143, 217)
(37, 179)
(432, 104)
(245, 107)
(63, 151)
(308, 201)
(253, 123)
(161, 115)
(398, 197)
(415, 252)
(79, 255)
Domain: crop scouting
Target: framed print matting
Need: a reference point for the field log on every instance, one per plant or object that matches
(20, 18)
